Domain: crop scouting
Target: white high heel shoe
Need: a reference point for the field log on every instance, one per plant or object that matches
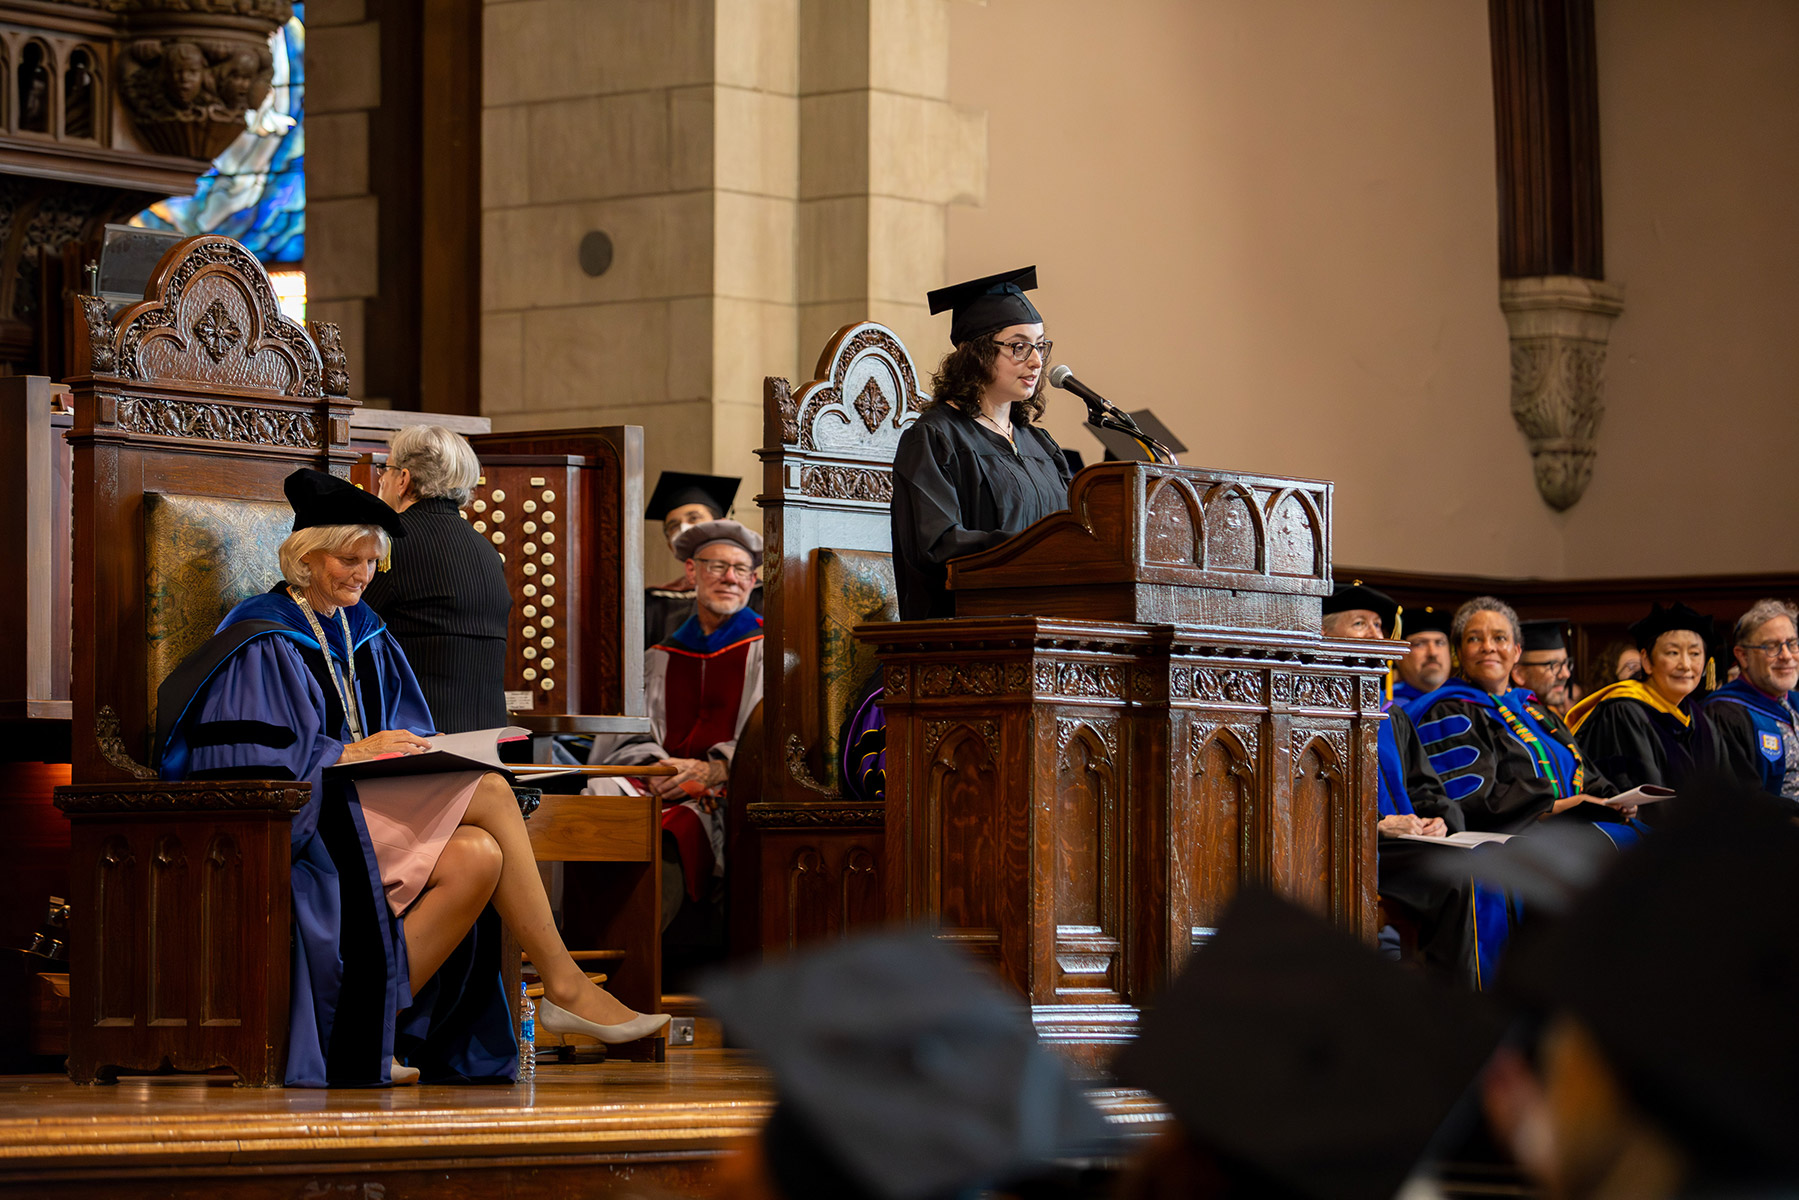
(553, 1019)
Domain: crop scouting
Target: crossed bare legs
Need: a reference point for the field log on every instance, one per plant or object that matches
(488, 858)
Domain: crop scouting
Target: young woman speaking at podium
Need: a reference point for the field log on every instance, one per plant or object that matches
(972, 471)
(975, 468)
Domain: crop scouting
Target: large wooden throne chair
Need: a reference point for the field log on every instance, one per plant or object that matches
(191, 407)
(806, 861)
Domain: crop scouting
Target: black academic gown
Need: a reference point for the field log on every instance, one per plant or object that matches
(1633, 744)
(1501, 786)
(959, 487)
(1442, 909)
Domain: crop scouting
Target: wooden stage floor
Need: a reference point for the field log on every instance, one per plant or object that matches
(596, 1129)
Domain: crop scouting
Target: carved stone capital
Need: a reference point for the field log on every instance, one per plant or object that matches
(1559, 327)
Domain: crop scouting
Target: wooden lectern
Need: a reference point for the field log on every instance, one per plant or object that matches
(1133, 714)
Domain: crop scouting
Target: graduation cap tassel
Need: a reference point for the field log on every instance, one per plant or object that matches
(1393, 667)
(1711, 675)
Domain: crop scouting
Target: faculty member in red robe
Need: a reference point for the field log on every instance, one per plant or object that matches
(700, 685)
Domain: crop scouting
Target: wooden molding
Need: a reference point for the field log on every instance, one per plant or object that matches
(1546, 113)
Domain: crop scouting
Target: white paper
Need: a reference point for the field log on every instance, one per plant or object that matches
(482, 745)
(1466, 840)
(1649, 793)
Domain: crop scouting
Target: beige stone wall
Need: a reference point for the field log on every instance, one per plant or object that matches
(343, 84)
(767, 169)
(1275, 224)
(1699, 109)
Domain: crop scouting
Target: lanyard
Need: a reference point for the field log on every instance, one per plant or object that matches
(345, 692)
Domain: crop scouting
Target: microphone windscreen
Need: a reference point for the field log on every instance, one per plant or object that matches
(1060, 374)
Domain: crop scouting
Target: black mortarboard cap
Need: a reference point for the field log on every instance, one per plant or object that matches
(676, 488)
(986, 305)
(908, 1064)
(1665, 620)
(1122, 447)
(321, 499)
(1428, 619)
(1683, 963)
(1358, 595)
(1548, 634)
(1289, 1046)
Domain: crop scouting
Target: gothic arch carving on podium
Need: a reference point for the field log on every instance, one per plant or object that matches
(1225, 803)
(210, 317)
(1175, 524)
(1237, 536)
(1320, 787)
(1295, 527)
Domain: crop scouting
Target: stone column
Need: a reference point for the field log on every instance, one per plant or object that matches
(1559, 327)
(883, 154)
(763, 172)
(343, 86)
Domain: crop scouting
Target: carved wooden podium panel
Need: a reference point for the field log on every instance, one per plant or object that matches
(1076, 798)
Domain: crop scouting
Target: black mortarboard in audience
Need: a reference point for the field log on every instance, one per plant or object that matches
(1074, 460)
(903, 1071)
(677, 488)
(1428, 619)
(1548, 634)
(1292, 1048)
(1683, 963)
(1121, 446)
(1349, 597)
(321, 499)
(1666, 620)
(987, 305)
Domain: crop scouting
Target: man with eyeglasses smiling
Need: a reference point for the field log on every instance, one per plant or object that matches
(1544, 667)
(700, 685)
(1750, 726)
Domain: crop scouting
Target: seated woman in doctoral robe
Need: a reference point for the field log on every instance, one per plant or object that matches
(395, 948)
(1507, 760)
(1642, 731)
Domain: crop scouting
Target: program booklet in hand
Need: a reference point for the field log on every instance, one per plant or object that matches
(1466, 840)
(477, 750)
(1649, 793)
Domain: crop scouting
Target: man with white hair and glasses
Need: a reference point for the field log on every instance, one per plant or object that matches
(1750, 726)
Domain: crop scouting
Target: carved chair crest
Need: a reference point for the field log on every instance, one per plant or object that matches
(842, 428)
(210, 318)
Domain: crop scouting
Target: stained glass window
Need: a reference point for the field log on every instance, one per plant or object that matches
(256, 190)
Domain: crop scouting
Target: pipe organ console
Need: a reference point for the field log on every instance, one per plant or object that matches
(562, 508)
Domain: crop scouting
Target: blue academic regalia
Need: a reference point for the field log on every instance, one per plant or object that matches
(1748, 735)
(1404, 693)
(1508, 759)
(256, 702)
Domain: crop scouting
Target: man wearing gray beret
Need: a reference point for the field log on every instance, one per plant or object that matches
(700, 685)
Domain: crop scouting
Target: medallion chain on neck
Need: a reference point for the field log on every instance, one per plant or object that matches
(345, 691)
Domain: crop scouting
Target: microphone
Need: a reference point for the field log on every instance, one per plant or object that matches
(1062, 376)
(1106, 415)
